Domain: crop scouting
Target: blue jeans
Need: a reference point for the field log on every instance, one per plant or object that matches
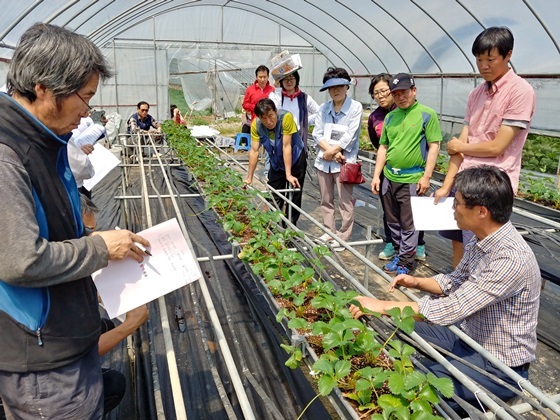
(74, 391)
(443, 337)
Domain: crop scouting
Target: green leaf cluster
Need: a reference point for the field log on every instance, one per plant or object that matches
(351, 356)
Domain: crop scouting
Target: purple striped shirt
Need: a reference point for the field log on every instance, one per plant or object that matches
(494, 292)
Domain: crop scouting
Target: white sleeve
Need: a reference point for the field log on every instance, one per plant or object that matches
(80, 165)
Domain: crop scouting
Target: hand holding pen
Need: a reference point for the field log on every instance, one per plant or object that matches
(123, 243)
(138, 245)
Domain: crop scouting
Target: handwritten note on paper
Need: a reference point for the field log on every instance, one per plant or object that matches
(428, 216)
(103, 162)
(125, 285)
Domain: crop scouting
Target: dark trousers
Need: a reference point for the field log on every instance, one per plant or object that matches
(114, 386)
(277, 180)
(443, 337)
(398, 210)
(388, 236)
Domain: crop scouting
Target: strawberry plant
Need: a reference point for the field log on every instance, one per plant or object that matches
(378, 378)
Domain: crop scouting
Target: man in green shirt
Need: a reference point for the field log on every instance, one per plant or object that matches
(407, 154)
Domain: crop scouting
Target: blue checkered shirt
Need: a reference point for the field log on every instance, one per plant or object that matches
(494, 292)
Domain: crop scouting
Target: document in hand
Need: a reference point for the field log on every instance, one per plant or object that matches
(334, 132)
(430, 216)
(103, 162)
(125, 285)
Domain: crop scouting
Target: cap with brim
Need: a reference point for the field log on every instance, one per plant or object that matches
(338, 81)
(401, 81)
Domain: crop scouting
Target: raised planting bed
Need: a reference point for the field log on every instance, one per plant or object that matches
(377, 379)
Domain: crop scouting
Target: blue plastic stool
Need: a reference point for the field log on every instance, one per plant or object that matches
(239, 139)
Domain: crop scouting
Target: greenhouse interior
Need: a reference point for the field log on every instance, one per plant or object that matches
(260, 325)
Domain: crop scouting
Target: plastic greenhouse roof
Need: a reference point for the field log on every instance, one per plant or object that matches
(366, 36)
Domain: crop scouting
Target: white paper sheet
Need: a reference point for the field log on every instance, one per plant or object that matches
(125, 285)
(428, 216)
(103, 161)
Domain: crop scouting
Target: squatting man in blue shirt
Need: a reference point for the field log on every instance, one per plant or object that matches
(492, 295)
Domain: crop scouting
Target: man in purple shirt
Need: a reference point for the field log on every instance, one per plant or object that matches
(492, 295)
(497, 120)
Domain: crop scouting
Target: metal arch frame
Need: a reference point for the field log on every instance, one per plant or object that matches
(253, 10)
(384, 37)
(538, 17)
(482, 25)
(410, 33)
(62, 10)
(82, 10)
(19, 19)
(415, 2)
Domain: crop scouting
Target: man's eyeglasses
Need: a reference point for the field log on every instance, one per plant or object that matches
(82, 99)
(457, 204)
(383, 92)
(144, 109)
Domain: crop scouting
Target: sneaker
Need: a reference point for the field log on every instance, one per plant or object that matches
(391, 267)
(388, 252)
(401, 269)
(325, 238)
(336, 246)
(420, 253)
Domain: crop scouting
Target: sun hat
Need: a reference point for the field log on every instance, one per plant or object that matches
(337, 81)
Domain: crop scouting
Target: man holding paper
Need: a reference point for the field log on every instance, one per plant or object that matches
(49, 317)
(407, 155)
(492, 295)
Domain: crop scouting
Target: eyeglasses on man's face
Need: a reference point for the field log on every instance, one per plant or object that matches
(82, 99)
(456, 204)
(144, 109)
(381, 92)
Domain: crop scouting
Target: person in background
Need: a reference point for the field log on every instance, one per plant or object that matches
(298, 103)
(277, 132)
(49, 316)
(381, 94)
(80, 146)
(497, 121)
(492, 295)
(176, 115)
(114, 382)
(346, 113)
(260, 89)
(141, 121)
(407, 155)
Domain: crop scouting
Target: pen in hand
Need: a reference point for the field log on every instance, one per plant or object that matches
(138, 245)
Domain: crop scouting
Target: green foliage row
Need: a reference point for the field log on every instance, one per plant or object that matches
(541, 154)
(311, 306)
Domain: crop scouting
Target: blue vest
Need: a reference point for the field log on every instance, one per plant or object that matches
(275, 148)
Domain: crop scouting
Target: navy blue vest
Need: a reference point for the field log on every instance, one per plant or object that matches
(275, 149)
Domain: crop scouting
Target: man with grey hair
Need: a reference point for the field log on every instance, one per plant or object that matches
(49, 319)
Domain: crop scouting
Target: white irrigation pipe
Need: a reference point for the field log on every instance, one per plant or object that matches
(223, 345)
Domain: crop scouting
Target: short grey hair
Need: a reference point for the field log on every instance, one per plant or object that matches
(88, 207)
(57, 58)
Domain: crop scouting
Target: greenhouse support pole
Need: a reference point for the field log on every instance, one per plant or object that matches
(220, 336)
(116, 72)
(156, 69)
(174, 379)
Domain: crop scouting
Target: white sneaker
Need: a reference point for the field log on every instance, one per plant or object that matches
(325, 238)
(336, 246)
